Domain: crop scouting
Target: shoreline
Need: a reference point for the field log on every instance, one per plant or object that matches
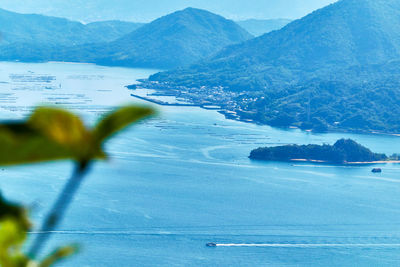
(375, 162)
(344, 163)
(162, 103)
(236, 116)
(232, 115)
(203, 106)
(227, 114)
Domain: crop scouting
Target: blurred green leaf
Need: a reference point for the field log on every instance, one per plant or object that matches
(56, 134)
(118, 120)
(59, 125)
(58, 255)
(66, 129)
(11, 210)
(12, 237)
(14, 224)
(20, 143)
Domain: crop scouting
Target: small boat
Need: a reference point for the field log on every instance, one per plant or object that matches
(376, 170)
(212, 244)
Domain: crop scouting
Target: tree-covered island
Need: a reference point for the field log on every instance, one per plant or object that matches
(344, 151)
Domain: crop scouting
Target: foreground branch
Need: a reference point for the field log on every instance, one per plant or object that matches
(59, 208)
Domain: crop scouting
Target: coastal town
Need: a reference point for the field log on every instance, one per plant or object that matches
(234, 105)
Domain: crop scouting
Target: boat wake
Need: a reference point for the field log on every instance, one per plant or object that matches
(305, 245)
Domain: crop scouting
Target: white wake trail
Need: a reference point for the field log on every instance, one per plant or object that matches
(307, 245)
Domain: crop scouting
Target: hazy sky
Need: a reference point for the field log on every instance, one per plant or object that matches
(146, 10)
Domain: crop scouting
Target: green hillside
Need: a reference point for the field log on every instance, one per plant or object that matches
(336, 68)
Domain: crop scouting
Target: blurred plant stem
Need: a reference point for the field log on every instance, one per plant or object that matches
(59, 208)
(53, 134)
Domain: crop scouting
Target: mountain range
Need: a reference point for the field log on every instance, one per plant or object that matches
(175, 40)
(336, 68)
(148, 10)
(35, 29)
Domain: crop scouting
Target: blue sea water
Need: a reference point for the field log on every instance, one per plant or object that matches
(183, 179)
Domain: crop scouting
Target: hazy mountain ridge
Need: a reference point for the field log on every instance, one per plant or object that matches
(128, 10)
(38, 29)
(113, 29)
(177, 39)
(332, 69)
(258, 27)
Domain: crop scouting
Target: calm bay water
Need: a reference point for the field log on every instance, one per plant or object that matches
(183, 179)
